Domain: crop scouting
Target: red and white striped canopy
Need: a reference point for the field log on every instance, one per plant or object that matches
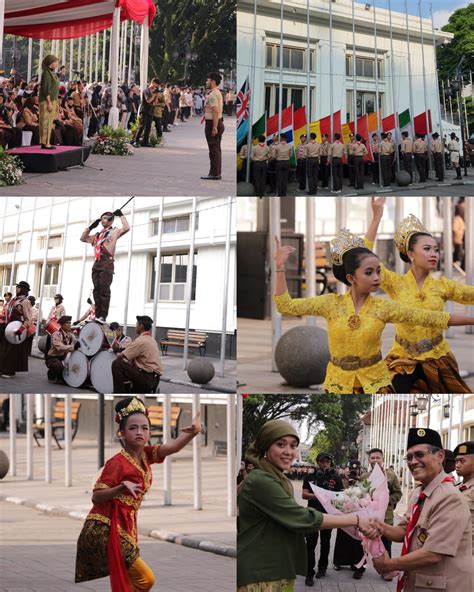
(64, 19)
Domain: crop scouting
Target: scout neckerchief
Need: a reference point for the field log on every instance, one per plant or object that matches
(66, 338)
(11, 305)
(101, 237)
(415, 514)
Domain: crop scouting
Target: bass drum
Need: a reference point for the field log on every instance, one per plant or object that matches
(101, 371)
(76, 369)
(91, 337)
(10, 333)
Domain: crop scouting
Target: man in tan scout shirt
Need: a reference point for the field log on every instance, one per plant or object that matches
(350, 159)
(139, 363)
(436, 530)
(104, 243)
(214, 125)
(336, 152)
(325, 146)
(359, 151)
(407, 154)
(312, 154)
(437, 152)
(420, 150)
(260, 154)
(386, 151)
(282, 154)
(464, 455)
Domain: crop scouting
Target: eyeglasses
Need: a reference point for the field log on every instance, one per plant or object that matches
(419, 455)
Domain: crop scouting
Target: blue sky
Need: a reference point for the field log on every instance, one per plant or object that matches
(442, 9)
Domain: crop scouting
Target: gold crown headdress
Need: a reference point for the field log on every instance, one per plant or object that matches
(134, 405)
(344, 241)
(405, 230)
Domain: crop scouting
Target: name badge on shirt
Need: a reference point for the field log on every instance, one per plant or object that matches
(422, 535)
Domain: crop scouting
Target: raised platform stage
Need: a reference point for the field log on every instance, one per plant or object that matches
(37, 160)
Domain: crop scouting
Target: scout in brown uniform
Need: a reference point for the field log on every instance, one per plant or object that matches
(393, 157)
(453, 148)
(139, 363)
(63, 342)
(104, 243)
(14, 356)
(437, 152)
(301, 163)
(271, 164)
(282, 157)
(312, 152)
(375, 147)
(214, 125)
(407, 154)
(336, 153)
(420, 150)
(350, 159)
(436, 531)
(359, 150)
(464, 455)
(386, 152)
(260, 154)
(324, 165)
(242, 174)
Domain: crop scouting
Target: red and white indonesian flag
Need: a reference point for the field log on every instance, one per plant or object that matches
(65, 19)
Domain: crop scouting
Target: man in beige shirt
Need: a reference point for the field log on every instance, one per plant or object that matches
(214, 125)
(63, 342)
(324, 161)
(336, 152)
(437, 552)
(437, 152)
(386, 152)
(407, 154)
(312, 154)
(420, 150)
(464, 455)
(104, 243)
(454, 153)
(282, 154)
(301, 163)
(359, 150)
(350, 159)
(260, 154)
(139, 363)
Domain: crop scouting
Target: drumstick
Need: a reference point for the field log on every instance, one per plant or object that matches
(127, 202)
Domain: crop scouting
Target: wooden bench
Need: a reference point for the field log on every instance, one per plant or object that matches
(326, 278)
(197, 339)
(155, 415)
(58, 422)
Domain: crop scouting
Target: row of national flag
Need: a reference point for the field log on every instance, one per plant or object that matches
(294, 124)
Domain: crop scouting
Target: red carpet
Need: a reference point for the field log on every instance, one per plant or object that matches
(37, 160)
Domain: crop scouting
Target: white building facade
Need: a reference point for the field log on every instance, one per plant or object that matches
(73, 278)
(407, 59)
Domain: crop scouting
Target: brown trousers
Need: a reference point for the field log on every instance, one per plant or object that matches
(214, 144)
(102, 276)
(55, 367)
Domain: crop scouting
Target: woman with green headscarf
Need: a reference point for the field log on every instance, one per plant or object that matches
(48, 96)
(271, 548)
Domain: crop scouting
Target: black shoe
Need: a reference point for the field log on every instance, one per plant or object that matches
(336, 567)
(211, 177)
(321, 573)
(309, 581)
(146, 145)
(358, 574)
(166, 130)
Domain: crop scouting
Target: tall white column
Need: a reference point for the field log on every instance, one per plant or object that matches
(68, 440)
(399, 264)
(30, 59)
(13, 416)
(469, 239)
(29, 435)
(197, 473)
(225, 286)
(231, 458)
(130, 55)
(114, 58)
(79, 51)
(341, 217)
(104, 52)
(48, 473)
(166, 438)
(41, 56)
(189, 283)
(129, 268)
(158, 266)
(144, 46)
(310, 252)
(96, 57)
(71, 58)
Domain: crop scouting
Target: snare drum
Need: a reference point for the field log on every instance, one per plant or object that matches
(101, 371)
(31, 330)
(76, 369)
(52, 326)
(93, 337)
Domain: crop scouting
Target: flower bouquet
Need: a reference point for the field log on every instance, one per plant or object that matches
(368, 498)
(11, 169)
(113, 142)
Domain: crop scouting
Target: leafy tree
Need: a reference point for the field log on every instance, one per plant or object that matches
(195, 28)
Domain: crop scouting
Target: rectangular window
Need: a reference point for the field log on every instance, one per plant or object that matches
(293, 58)
(269, 56)
(297, 98)
(297, 57)
(268, 93)
(365, 67)
(5, 274)
(55, 241)
(10, 247)
(51, 278)
(173, 273)
(365, 103)
(173, 225)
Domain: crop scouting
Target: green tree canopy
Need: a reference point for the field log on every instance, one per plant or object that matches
(461, 24)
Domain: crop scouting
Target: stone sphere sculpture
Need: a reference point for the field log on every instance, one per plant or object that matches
(201, 370)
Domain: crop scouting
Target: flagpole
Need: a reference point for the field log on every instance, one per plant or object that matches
(280, 84)
(251, 92)
(437, 86)
(354, 81)
(424, 91)
(444, 101)
(331, 92)
(308, 85)
(450, 105)
(410, 83)
(394, 102)
(377, 100)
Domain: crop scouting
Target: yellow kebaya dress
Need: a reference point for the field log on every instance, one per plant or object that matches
(423, 344)
(355, 339)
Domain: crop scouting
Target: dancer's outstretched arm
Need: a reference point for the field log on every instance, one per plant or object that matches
(281, 256)
(183, 439)
(377, 213)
